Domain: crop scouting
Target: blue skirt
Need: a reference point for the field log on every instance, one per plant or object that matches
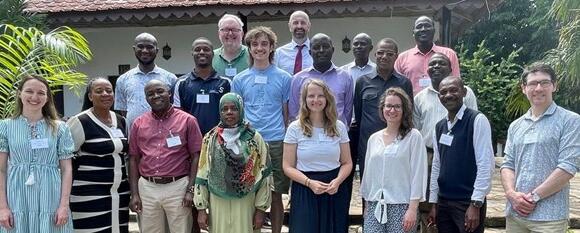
(324, 213)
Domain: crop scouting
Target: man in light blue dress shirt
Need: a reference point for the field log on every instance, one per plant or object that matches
(542, 155)
(285, 57)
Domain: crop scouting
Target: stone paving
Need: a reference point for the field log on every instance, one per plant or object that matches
(495, 221)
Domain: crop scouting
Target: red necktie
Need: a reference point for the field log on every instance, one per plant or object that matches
(298, 60)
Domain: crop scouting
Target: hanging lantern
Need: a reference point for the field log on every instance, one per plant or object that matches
(166, 51)
(345, 44)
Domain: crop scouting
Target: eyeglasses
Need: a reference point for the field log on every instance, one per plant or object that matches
(230, 30)
(396, 107)
(543, 83)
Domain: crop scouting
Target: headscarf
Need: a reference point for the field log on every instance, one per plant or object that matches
(232, 162)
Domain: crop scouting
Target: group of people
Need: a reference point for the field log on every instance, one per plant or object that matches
(216, 148)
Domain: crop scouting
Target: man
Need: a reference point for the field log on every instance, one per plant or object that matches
(129, 96)
(463, 163)
(338, 80)
(369, 90)
(294, 56)
(542, 155)
(413, 62)
(199, 92)
(265, 89)
(428, 110)
(362, 45)
(232, 57)
(164, 151)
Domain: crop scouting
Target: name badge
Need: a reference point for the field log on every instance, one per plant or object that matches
(39, 143)
(231, 71)
(117, 133)
(173, 141)
(391, 149)
(261, 79)
(202, 99)
(531, 138)
(424, 82)
(446, 139)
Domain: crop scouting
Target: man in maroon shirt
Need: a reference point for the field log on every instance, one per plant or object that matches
(164, 151)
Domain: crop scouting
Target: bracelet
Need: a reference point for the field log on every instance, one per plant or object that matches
(307, 183)
(191, 189)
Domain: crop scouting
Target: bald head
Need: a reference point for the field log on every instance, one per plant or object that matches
(321, 36)
(145, 37)
(362, 45)
(321, 50)
(363, 36)
(297, 14)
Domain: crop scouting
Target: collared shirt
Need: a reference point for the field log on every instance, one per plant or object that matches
(130, 91)
(484, 159)
(201, 97)
(366, 104)
(264, 92)
(428, 110)
(231, 68)
(165, 143)
(413, 64)
(535, 148)
(285, 56)
(338, 81)
(370, 69)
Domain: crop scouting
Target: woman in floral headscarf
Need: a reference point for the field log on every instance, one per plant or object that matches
(233, 179)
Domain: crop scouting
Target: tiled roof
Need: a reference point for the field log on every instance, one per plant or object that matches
(52, 6)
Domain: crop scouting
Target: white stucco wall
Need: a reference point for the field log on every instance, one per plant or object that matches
(112, 46)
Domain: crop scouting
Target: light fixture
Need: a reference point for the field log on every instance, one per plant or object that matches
(346, 44)
(166, 51)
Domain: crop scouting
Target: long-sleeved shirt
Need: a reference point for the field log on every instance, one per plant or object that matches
(285, 56)
(340, 85)
(483, 157)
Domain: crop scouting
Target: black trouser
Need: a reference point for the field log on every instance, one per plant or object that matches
(451, 216)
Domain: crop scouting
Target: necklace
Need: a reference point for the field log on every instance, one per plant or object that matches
(107, 120)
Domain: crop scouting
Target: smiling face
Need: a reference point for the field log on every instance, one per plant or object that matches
(315, 98)
(424, 30)
(145, 49)
(34, 95)
(230, 114)
(451, 93)
(438, 68)
(386, 55)
(101, 94)
(392, 109)
(260, 49)
(321, 50)
(539, 89)
(299, 26)
(230, 33)
(157, 95)
(202, 53)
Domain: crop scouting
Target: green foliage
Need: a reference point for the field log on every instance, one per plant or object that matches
(52, 55)
(12, 12)
(515, 24)
(492, 83)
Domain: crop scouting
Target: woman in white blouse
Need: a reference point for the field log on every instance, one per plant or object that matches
(395, 178)
(317, 159)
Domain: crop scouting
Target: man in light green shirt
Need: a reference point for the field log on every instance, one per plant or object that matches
(232, 57)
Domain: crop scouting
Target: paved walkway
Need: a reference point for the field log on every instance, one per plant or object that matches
(495, 209)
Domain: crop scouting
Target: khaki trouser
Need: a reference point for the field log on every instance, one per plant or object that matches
(162, 201)
(520, 225)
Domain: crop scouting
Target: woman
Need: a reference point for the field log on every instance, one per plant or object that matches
(35, 165)
(233, 177)
(100, 192)
(395, 178)
(317, 159)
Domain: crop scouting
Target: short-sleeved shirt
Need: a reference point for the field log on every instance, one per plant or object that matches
(130, 90)
(231, 68)
(340, 84)
(413, 64)
(165, 144)
(264, 93)
(367, 98)
(285, 56)
(370, 69)
(319, 152)
(535, 148)
(428, 110)
(201, 98)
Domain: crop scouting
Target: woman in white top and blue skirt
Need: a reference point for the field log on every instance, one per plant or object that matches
(317, 159)
(395, 178)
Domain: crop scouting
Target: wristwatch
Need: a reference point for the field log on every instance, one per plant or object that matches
(477, 204)
(536, 197)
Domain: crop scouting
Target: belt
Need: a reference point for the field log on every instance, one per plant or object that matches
(162, 179)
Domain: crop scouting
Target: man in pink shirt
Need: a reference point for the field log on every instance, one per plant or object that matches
(164, 151)
(413, 62)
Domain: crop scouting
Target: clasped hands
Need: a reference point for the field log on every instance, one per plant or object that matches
(319, 187)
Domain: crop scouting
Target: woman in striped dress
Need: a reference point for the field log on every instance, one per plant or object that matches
(35, 165)
(100, 192)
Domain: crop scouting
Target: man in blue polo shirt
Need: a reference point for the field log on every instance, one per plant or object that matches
(199, 91)
(462, 163)
(265, 89)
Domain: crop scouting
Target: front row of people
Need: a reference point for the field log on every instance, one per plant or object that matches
(232, 185)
